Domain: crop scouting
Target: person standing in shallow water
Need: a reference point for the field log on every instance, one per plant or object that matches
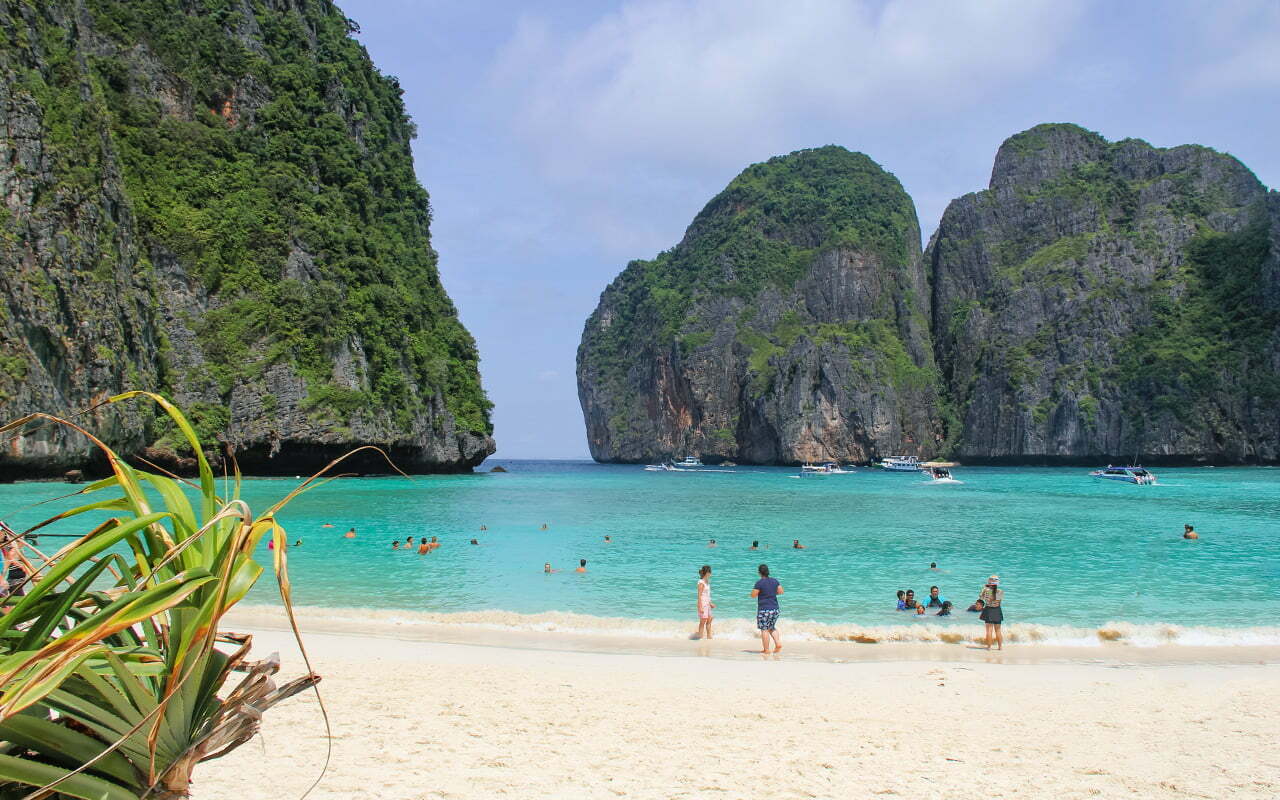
(992, 598)
(704, 603)
(766, 594)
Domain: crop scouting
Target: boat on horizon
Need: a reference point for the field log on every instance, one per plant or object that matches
(1131, 474)
(900, 463)
(689, 461)
(828, 468)
(659, 468)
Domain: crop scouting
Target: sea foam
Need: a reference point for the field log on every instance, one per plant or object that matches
(957, 631)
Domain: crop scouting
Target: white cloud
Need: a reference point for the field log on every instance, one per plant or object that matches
(730, 81)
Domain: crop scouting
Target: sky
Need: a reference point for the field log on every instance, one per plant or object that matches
(560, 140)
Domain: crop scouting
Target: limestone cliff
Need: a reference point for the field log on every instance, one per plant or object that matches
(217, 201)
(790, 324)
(1103, 299)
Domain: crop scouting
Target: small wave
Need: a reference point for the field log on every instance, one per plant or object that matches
(959, 631)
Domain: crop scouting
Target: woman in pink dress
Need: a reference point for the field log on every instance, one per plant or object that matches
(704, 603)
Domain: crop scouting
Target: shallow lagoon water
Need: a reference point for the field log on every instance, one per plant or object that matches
(1073, 553)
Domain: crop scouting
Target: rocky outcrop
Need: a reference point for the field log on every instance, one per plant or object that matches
(789, 325)
(218, 203)
(1100, 300)
(1104, 299)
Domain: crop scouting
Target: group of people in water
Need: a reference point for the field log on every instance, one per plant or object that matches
(988, 606)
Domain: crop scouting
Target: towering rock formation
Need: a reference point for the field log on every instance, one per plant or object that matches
(790, 324)
(1102, 299)
(216, 200)
(1098, 300)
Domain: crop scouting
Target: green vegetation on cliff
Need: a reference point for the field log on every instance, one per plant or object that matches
(764, 229)
(1215, 322)
(260, 150)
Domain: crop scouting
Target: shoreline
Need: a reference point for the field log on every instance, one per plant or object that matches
(548, 632)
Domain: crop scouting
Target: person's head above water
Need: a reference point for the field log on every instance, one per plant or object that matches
(763, 569)
(546, 567)
(933, 591)
(933, 565)
(582, 562)
(395, 545)
(1188, 527)
(755, 543)
(901, 594)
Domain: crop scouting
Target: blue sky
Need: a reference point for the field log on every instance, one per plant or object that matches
(561, 140)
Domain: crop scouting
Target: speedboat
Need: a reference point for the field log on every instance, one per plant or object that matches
(939, 475)
(689, 461)
(1134, 475)
(829, 468)
(900, 463)
(659, 468)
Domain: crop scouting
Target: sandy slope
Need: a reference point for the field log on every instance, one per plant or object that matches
(417, 719)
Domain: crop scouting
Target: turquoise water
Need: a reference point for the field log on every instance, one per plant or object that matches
(1072, 552)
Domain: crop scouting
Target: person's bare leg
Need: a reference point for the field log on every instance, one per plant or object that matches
(709, 636)
(999, 638)
(764, 641)
(989, 635)
(777, 643)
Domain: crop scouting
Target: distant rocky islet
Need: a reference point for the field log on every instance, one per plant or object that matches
(1098, 300)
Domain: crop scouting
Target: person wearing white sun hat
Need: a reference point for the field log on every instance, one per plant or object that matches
(992, 597)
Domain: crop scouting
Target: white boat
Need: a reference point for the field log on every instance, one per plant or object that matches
(689, 461)
(1135, 475)
(659, 468)
(829, 468)
(939, 475)
(900, 463)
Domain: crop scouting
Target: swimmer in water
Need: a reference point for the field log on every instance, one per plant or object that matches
(755, 545)
(711, 543)
(1189, 532)
(408, 542)
(919, 611)
(395, 545)
(795, 545)
(298, 543)
(546, 568)
(544, 527)
(933, 565)
(433, 543)
(582, 565)
(608, 540)
(946, 609)
(473, 541)
(484, 527)
(351, 534)
(327, 525)
(423, 548)
(902, 600)
(978, 605)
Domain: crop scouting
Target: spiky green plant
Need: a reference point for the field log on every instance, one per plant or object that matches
(110, 664)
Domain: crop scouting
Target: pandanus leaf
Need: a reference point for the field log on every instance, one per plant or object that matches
(65, 747)
(82, 787)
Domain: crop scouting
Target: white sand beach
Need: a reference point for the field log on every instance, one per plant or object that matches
(416, 718)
